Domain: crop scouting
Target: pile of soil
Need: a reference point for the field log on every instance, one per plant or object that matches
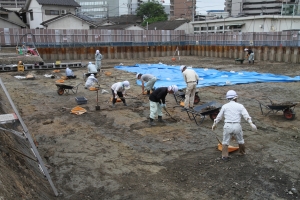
(114, 153)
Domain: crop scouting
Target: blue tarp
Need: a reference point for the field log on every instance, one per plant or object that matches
(171, 75)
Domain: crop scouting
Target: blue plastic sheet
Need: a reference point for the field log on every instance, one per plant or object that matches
(171, 75)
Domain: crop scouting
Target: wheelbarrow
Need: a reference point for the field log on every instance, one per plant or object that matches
(62, 88)
(241, 60)
(180, 97)
(286, 107)
(211, 108)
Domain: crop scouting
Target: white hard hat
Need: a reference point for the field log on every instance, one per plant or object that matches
(174, 88)
(182, 67)
(97, 51)
(137, 75)
(246, 49)
(231, 94)
(92, 75)
(126, 84)
(90, 62)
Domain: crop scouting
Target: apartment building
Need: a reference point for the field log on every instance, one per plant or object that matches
(257, 7)
(182, 9)
(12, 4)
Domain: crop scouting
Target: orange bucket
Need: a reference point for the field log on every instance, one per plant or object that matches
(230, 148)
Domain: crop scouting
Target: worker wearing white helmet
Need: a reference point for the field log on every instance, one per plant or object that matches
(250, 55)
(232, 112)
(157, 101)
(91, 81)
(149, 79)
(98, 58)
(118, 90)
(91, 68)
(191, 78)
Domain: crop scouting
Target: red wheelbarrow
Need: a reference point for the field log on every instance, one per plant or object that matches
(286, 107)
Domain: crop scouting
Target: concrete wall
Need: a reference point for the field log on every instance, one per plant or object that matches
(272, 54)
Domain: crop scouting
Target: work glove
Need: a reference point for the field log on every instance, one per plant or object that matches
(214, 126)
(197, 82)
(163, 105)
(254, 128)
(116, 96)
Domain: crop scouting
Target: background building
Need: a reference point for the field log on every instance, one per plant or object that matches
(258, 7)
(12, 4)
(182, 9)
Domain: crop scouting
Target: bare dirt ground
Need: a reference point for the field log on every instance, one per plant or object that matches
(114, 154)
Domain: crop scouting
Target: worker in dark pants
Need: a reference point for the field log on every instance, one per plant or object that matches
(157, 102)
(118, 90)
(250, 55)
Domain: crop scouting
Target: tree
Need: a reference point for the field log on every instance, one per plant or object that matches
(151, 12)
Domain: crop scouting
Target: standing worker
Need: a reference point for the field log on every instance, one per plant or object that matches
(98, 58)
(150, 81)
(232, 112)
(157, 102)
(250, 55)
(191, 78)
(91, 80)
(118, 90)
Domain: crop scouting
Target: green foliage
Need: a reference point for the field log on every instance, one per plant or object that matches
(151, 12)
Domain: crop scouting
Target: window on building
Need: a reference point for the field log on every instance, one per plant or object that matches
(203, 28)
(196, 28)
(31, 16)
(51, 12)
(5, 16)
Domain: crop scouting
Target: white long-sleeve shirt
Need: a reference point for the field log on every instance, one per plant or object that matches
(92, 68)
(232, 112)
(69, 72)
(118, 87)
(90, 80)
(190, 76)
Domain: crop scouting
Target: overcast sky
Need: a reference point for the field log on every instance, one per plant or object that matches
(204, 5)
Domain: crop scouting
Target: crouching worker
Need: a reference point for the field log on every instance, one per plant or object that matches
(149, 79)
(91, 81)
(69, 73)
(157, 102)
(118, 90)
(232, 112)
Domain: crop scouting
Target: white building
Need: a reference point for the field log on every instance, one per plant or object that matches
(263, 23)
(38, 11)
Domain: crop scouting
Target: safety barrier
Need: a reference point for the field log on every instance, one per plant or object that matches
(38, 67)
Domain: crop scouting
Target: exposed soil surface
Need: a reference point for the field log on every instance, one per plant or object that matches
(114, 154)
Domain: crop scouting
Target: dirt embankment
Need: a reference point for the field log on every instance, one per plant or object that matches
(114, 154)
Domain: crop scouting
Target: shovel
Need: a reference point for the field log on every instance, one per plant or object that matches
(97, 107)
(170, 115)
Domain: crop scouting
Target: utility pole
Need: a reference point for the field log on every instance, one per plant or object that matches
(193, 9)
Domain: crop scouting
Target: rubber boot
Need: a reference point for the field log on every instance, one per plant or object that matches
(242, 149)
(125, 104)
(160, 120)
(151, 122)
(225, 153)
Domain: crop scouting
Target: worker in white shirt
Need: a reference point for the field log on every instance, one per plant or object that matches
(98, 58)
(91, 81)
(191, 78)
(149, 79)
(232, 112)
(118, 90)
(91, 68)
(69, 73)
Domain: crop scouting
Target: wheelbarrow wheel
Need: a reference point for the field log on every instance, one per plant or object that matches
(289, 114)
(213, 115)
(60, 91)
(196, 99)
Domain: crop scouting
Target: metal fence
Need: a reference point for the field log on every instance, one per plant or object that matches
(86, 38)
